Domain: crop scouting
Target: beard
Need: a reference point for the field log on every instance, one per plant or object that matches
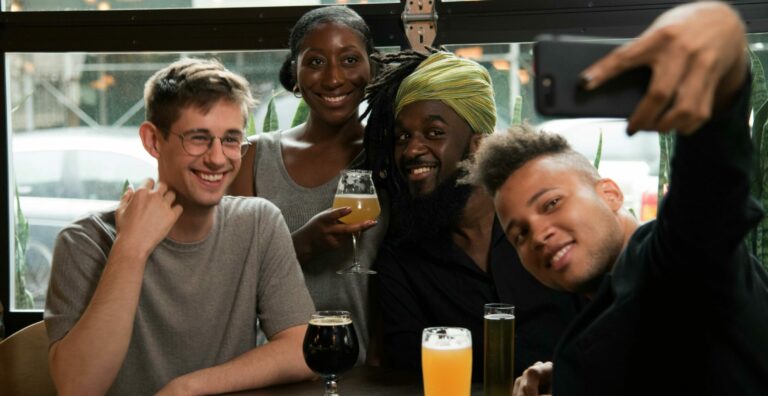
(433, 216)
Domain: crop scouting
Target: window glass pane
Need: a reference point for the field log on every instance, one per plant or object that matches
(105, 5)
(632, 163)
(74, 136)
(75, 141)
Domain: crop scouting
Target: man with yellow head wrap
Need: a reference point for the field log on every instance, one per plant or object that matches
(462, 84)
(445, 255)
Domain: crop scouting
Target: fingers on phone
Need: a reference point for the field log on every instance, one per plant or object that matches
(626, 57)
(606, 68)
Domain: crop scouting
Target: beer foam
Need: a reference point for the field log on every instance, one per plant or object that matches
(356, 196)
(453, 339)
(501, 316)
(330, 321)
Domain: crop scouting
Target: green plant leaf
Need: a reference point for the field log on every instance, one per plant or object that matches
(759, 91)
(23, 297)
(761, 231)
(758, 238)
(270, 119)
(302, 112)
(599, 153)
(126, 186)
(517, 111)
(250, 127)
(666, 144)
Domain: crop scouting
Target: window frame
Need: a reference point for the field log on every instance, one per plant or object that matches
(266, 28)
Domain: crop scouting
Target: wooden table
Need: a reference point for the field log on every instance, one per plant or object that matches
(366, 380)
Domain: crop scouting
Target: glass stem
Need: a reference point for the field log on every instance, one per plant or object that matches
(330, 387)
(355, 235)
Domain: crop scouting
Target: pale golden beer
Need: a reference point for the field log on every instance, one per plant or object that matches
(446, 361)
(356, 190)
(499, 349)
(364, 207)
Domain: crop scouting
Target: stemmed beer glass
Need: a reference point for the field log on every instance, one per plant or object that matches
(356, 190)
(330, 346)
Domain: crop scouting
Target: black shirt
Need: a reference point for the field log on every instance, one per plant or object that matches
(685, 310)
(435, 283)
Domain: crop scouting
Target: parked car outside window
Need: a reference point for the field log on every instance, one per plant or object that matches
(64, 173)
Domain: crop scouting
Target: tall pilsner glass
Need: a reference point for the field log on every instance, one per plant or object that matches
(356, 191)
(330, 346)
(499, 349)
(446, 361)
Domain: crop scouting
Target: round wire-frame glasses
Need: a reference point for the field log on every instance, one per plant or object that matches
(198, 142)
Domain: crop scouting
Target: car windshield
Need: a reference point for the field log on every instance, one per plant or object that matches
(85, 168)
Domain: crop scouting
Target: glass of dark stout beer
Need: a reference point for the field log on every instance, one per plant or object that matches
(330, 346)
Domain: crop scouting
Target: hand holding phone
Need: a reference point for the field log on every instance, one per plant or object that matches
(559, 90)
(698, 61)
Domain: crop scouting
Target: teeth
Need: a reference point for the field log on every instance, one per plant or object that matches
(334, 99)
(560, 254)
(212, 177)
(418, 171)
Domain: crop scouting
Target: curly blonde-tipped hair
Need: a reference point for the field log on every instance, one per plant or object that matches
(503, 153)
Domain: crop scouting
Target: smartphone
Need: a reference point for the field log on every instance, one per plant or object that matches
(557, 64)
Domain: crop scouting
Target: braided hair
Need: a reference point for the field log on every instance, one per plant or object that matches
(379, 139)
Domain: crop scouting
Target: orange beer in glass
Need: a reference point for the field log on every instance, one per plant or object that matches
(356, 190)
(364, 207)
(446, 361)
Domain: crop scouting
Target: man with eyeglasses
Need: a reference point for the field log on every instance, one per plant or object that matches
(162, 295)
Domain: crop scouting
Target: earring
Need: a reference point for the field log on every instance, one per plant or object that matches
(296, 91)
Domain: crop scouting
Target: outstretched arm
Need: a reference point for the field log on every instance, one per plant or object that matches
(697, 53)
(699, 88)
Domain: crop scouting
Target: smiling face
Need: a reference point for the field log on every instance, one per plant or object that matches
(563, 225)
(430, 141)
(332, 71)
(199, 181)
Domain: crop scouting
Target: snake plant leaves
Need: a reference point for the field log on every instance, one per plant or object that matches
(302, 112)
(270, 119)
(517, 111)
(250, 126)
(666, 144)
(758, 238)
(599, 153)
(126, 186)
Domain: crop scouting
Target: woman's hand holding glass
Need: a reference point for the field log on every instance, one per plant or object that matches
(356, 191)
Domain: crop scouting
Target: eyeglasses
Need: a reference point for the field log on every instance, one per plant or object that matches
(198, 142)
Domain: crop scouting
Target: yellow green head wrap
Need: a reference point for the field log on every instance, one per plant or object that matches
(462, 84)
